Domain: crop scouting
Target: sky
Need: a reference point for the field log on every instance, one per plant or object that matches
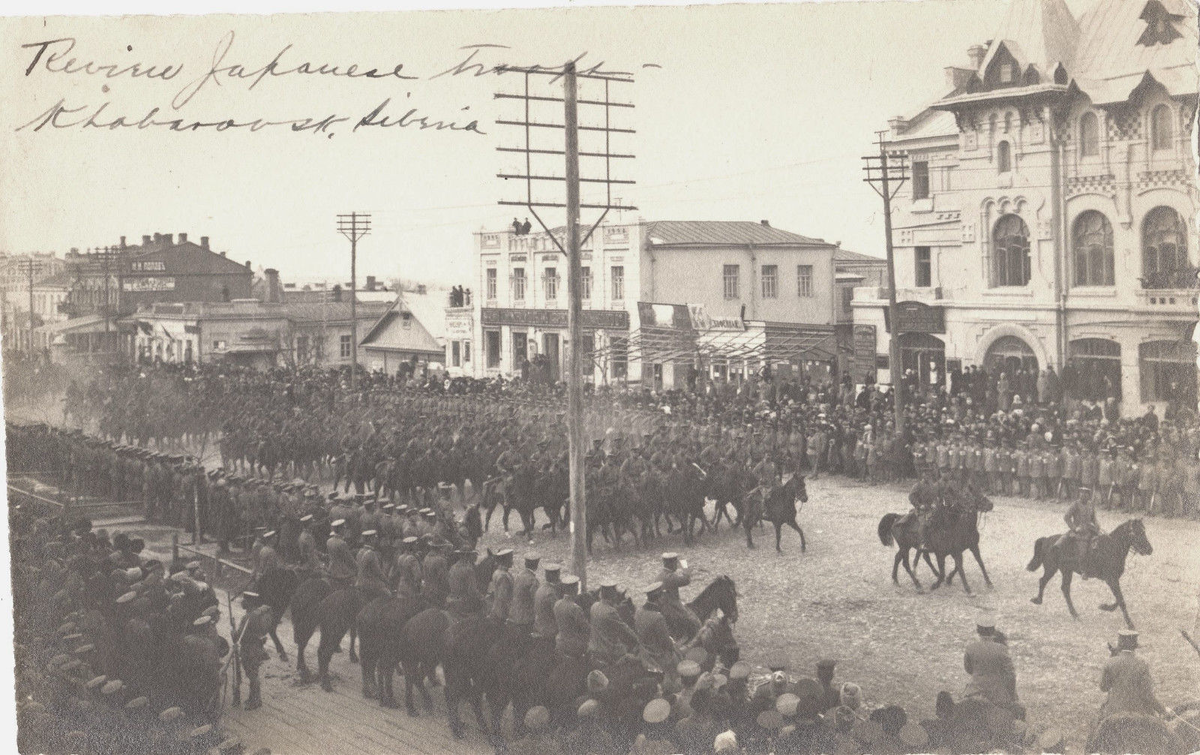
(742, 112)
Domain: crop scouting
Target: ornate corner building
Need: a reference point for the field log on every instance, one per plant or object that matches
(1050, 215)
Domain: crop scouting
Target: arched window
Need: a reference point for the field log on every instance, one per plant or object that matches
(1009, 354)
(1161, 131)
(1003, 157)
(1092, 245)
(1089, 135)
(1168, 371)
(1164, 250)
(1010, 260)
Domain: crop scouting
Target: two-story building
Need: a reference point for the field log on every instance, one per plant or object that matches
(1050, 214)
(651, 291)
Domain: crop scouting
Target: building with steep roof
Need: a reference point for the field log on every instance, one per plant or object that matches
(1050, 215)
(650, 291)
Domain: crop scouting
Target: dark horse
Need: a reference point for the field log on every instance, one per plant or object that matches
(952, 529)
(1106, 559)
(276, 587)
(778, 508)
(721, 594)
(380, 633)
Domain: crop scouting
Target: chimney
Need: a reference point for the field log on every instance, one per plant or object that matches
(274, 295)
(222, 254)
(766, 223)
(370, 282)
(337, 293)
(168, 239)
(122, 242)
(183, 238)
(157, 237)
(248, 267)
(145, 241)
(204, 243)
(897, 124)
(976, 53)
(957, 78)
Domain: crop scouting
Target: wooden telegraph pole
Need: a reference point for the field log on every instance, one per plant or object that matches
(577, 443)
(880, 171)
(354, 226)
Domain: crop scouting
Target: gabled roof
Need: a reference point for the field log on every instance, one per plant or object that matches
(1111, 63)
(1041, 33)
(389, 332)
(334, 311)
(845, 255)
(721, 233)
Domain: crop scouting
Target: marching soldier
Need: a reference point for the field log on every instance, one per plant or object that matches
(252, 634)
(544, 624)
(525, 586)
(501, 590)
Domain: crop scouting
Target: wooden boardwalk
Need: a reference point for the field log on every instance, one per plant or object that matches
(305, 719)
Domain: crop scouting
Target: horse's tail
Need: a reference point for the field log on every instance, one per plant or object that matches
(885, 528)
(1036, 561)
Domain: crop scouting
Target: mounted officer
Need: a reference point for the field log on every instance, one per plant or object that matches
(464, 596)
(673, 575)
(342, 565)
(1083, 530)
(371, 581)
(610, 639)
(407, 575)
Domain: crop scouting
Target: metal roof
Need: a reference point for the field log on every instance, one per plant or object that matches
(1110, 63)
(721, 233)
(305, 311)
(1037, 32)
(391, 333)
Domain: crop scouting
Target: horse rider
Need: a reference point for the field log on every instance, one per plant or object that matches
(371, 582)
(573, 628)
(525, 587)
(1126, 679)
(464, 596)
(924, 499)
(658, 649)
(544, 598)
(342, 566)
(1083, 529)
(674, 575)
(609, 639)
(500, 591)
(306, 544)
(993, 677)
(407, 574)
(252, 634)
(268, 557)
(434, 574)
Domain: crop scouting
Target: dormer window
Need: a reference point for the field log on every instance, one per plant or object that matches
(1006, 73)
(1159, 29)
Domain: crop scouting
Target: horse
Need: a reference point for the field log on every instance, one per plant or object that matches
(720, 594)
(336, 614)
(895, 528)
(779, 509)
(276, 587)
(1107, 560)
(421, 652)
(953, 529)
(716, 639)
(684, 497)
(463, 659)
(303, 605)
(380, 631)
(1135, 732)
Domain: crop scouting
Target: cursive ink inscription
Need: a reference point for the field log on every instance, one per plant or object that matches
(56, 61)
(236, 71)
(61, 116)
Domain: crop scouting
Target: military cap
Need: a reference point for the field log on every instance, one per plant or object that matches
(570, 580)
(333, 496)
(670, 556)
(170, 714)
(251, 595)
(656, 711)
(202, 621)
(826, 664)
(786, 704)
(985, 621)
(597, 681)
(112, 686)
(428, 513)
(504, 552)
(213, 611)
(369, 533)
(127, 597)
(201, 731)
(96, 681)
(551, 568)
(653, 588)
(697, 654)
(411, 540)
(590, 708)
(389, 506)
(85, 649)
(739, 670)
(71, 665)
(337, 523)
(259, 530)
(133, 574)
(306, 518)
(533, 557)
(688, 668)
(778, 664)
(402, 508)
(537, 718)
(137, 702)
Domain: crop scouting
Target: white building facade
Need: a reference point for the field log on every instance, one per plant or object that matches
(1050, 214)
(742, 272)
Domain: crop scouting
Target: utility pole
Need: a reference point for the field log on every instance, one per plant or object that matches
(107, 251)
(570, 246)
(575, 440)
(354, 226)
(879, 170)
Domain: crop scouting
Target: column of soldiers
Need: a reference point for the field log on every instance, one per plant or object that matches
(1117, 477)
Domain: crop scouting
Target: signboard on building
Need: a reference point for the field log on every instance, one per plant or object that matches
(673, 316)
(148, 284)
(864, 353)
(703, 321)
(917, 317)
(592, 319)
(459, 324)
